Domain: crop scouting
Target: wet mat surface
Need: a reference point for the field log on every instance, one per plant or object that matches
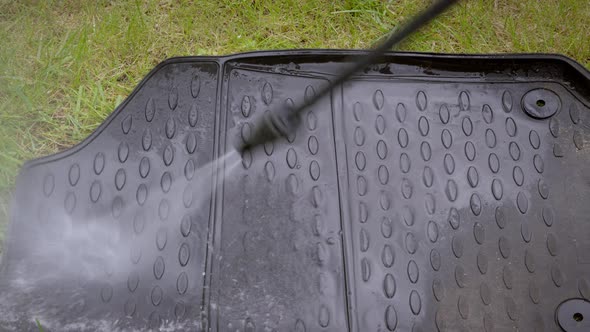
(430, 192)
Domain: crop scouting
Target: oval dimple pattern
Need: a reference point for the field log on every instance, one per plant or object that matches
(472, 159)
(440, 203)
(127, 178)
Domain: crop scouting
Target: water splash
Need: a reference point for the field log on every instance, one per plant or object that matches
(94, 246)
(92, 251)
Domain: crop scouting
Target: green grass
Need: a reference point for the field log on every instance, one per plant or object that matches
(39, 327)
(65, 65)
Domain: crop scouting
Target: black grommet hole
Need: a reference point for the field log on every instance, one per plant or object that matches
(540, 103)
(578, 317)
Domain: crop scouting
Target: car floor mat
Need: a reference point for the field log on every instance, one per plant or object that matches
(430, 192)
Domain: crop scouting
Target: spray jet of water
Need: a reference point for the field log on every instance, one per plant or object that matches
(87, 249)
(84, 254)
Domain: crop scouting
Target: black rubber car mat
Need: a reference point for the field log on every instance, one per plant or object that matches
(430, 192)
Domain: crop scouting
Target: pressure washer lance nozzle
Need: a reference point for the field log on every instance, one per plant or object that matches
(283, 122)
(271, 126)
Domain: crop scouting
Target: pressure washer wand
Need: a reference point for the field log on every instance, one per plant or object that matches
(284, 121)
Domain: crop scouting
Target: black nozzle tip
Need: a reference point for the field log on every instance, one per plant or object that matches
(270, 127)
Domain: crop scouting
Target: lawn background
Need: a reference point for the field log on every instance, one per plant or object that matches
(65, 65)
